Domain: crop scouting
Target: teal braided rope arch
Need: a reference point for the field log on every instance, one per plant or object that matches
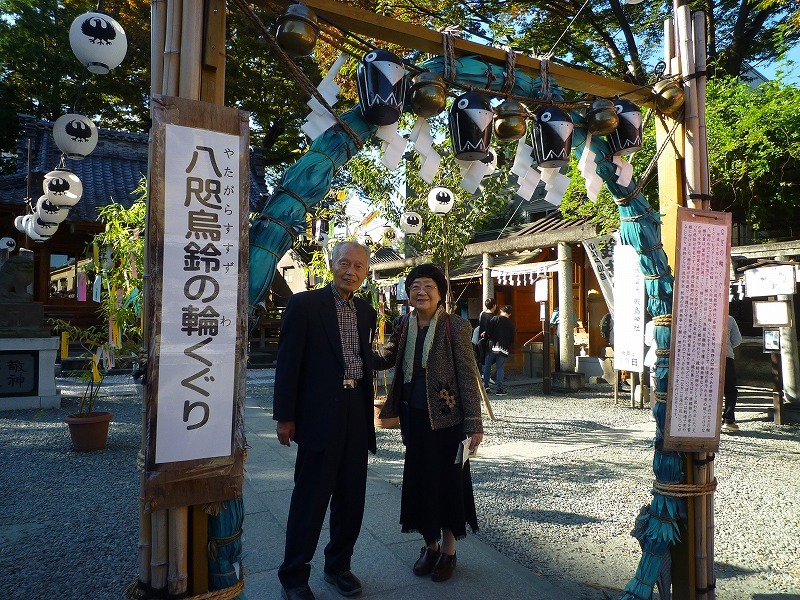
(307, 182)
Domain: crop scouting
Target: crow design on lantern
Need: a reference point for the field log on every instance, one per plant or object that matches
(440, 200)
(471, 126)
(411, 222)
(552, 137)
(381, 87)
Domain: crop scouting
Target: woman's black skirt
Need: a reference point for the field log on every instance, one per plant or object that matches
(437, 494)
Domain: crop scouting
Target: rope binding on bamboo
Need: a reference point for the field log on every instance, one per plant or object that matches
(663, 320)
(661, 397)
(684, 490)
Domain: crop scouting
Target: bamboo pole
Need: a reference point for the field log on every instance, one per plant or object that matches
(159, 557)
(683, 27)
(158, 32)
(711, 577)
(172, 48)
(700, 515)
(145, 525)
(699, 19)
(178, 551)
(191, 45)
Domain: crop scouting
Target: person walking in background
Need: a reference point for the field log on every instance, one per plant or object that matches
(324, 402)
(729, 389)
(436, 393)
(501, 340)
(483, 322)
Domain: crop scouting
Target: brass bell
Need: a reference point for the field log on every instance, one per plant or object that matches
(428, 94)
(602, 118)
(669, 96)
(510, 121)
(297, 30)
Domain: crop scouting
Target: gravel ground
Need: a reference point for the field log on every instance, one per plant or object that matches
(68, 521)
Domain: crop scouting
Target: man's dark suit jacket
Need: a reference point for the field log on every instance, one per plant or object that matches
(310, 368)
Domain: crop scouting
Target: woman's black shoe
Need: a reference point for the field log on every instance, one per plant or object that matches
(444, 567)
(426, 561)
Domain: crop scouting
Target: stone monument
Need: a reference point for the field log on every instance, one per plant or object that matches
(27, 348)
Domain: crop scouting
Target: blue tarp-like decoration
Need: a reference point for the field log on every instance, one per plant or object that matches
(308, 181)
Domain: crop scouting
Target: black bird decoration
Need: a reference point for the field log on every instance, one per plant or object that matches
(98, 30)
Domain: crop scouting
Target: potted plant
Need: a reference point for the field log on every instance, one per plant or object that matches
(119, 343)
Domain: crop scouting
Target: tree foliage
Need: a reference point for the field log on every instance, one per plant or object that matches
(754, 151)
(46, 80)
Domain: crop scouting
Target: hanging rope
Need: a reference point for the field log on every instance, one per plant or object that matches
(510, 74)
(544, 77)
(448, 49)
(303, 81)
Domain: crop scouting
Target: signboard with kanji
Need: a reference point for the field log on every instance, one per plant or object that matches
(19, 374)
(699, 331)
(630, 317)
(197, 307)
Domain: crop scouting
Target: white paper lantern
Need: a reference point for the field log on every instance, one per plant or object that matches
(49, 212)
(75, 135)
(42, 227)
(98, 42)
(8, 243)
(19, 224)
(440, 200)
(62, 187)
(411, 222)
(30, 232)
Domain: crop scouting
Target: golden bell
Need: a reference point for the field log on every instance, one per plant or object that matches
(297, 30)
(669, 96)
(510, 121)
(602, 118)
(428, 94)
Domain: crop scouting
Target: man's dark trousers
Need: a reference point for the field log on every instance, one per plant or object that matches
(731, 393)
(337, 473)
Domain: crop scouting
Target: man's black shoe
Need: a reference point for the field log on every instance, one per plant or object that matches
(345, 582)
(301, 592)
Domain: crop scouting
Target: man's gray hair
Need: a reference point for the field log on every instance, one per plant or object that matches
(340, 247)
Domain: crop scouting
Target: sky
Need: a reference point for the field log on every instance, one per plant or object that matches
(793, 76)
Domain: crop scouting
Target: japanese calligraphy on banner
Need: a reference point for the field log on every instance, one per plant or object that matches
(629, 318)
(600, 251)
(200, 279)
(699, 330)
(196, 303)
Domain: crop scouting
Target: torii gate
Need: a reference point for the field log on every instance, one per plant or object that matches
(197, 36)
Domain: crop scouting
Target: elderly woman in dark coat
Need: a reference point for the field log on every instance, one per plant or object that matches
(436, 392)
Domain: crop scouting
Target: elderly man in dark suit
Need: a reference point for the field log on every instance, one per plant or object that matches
(324, 402)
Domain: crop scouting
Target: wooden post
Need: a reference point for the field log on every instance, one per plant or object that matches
(198, 552)
(546, 377)
(212, 82)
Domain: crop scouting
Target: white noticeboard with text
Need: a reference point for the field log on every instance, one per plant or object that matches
(200, 282)
(699, 330)
(629, 317)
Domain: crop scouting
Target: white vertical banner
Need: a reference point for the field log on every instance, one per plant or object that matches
(629, 318)
(600, 251)
(200, 284)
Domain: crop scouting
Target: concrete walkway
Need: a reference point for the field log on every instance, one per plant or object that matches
(383, 555)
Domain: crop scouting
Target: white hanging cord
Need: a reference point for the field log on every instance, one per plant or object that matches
(567, 29)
